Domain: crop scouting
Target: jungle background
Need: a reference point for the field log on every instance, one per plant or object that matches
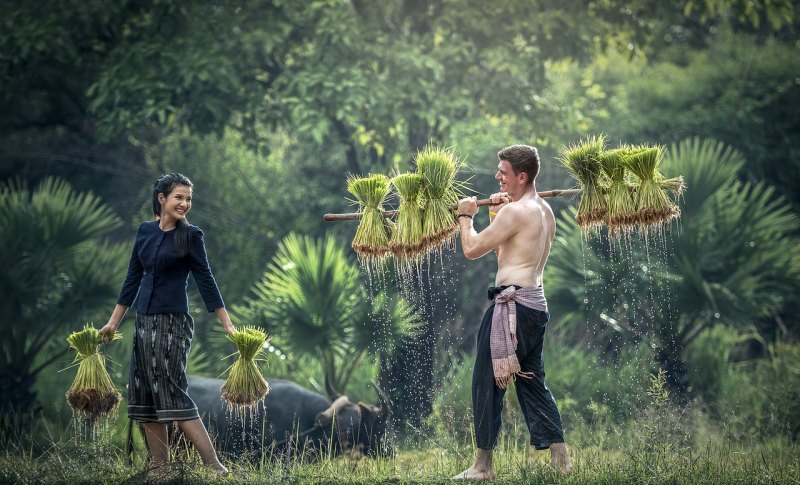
(268, 105)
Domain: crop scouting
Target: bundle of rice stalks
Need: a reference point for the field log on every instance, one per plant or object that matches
(371, 241)
(653, 206)
(92, 393)
(406, 240)
(583, 162)
(674, 185)
(438, 168)
(245, 386)
(620, 204)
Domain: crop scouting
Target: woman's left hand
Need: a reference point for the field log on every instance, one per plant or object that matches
(225, 320)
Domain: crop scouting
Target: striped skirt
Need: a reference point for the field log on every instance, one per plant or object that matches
(157, 384)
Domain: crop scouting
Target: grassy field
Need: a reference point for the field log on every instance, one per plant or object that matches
(85, 459)
(657, 443)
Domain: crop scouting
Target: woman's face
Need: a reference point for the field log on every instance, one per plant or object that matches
(177, 204)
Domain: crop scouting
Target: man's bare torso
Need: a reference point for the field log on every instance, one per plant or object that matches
(522, 257)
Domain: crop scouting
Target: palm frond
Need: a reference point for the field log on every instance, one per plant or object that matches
(706, 165)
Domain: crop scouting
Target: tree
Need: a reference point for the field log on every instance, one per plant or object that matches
(730, 261)
(739, 90)
(56, 273)
(358, 86)
(312, 301)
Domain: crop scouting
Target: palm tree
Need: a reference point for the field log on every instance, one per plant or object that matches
(55, 272)
(731, 259)
(311, 299)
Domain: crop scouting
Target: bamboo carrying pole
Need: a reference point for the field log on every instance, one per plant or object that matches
(354, 216)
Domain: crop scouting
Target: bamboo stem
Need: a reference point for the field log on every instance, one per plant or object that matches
(354, 216)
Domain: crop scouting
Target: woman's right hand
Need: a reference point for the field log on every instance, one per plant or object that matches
(108, 331)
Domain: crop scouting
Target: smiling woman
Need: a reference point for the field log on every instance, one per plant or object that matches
(172, 200)
(166, 250)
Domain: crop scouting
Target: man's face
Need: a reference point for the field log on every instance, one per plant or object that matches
(509, 181)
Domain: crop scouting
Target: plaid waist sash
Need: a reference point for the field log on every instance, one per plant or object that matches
(503, 339)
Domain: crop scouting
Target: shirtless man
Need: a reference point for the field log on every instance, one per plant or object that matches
(511, 336)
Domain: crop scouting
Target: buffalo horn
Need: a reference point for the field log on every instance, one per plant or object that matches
(384, 403)
(332, 394)
(325, 417)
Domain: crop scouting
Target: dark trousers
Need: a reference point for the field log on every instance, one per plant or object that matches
(538, 405)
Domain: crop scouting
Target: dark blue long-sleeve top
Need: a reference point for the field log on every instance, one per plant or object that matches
(157, 278)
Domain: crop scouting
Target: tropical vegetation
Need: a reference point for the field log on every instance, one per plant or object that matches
(268, 106)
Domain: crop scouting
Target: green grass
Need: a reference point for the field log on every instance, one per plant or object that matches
(75, 457)
(621, 427)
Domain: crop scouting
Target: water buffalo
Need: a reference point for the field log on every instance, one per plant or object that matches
(292, 420)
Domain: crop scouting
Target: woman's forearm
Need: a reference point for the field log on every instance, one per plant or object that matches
(225, 320)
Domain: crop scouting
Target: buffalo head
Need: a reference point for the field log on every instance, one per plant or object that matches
(358, 426)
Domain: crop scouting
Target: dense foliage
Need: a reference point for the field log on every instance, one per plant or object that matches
(268, 105)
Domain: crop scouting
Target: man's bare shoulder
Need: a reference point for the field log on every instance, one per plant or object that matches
(546, 207)
(519, 211)
(539, 213)
(536, 208)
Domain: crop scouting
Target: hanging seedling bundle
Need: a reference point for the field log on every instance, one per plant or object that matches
(245, 386)
(92, 393)
(583, 162)
(622, 188)
(406, 239)
(674, 185)
(653, 205)
(371, 241)
(620, 204)
(438, 168)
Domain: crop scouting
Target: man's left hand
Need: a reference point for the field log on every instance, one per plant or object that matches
(468, 205)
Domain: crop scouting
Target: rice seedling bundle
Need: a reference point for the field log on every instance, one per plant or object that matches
(438, 168)
(674, 185)
(653, 205)
(583, 162)
(406, 239)
(620, 204)
(371, 241)
(92, 393)
(245, 386)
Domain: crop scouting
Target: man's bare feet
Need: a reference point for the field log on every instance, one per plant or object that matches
(481, 468)
(559, 458)
(218, 468)
(473, 473)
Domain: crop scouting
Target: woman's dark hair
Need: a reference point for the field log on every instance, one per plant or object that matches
(164, 185)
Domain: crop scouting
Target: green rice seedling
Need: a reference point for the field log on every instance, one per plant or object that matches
(583, 162)
(438, 168)
(653, 206)
(674, 185)
(92, 393)
(245, 386)
(406, 239)
(371, 241)
(620, 204)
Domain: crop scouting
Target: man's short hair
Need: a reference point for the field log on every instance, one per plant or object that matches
(523, 158)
